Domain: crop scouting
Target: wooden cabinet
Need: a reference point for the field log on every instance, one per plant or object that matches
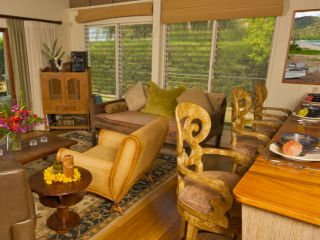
(65, 99)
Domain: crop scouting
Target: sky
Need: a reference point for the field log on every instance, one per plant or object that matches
(303, 14)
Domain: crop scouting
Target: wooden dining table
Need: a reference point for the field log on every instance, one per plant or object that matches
(281, 197)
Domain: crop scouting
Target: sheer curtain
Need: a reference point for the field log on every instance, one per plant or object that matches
(37, 33)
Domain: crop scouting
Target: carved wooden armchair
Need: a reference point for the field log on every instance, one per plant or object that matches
(249, 136)
(263, 113)
(204, 197)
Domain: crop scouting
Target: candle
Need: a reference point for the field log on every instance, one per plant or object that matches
(68, 166)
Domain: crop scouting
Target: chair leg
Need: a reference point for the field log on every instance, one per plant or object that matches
(94, 131)
(116, 207)
(192, 232)
(183, 228)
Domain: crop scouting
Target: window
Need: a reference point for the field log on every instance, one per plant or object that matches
(188, 54)
(119, 55)
(6, 81)
(218, 55)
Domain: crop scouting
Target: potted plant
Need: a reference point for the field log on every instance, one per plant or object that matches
(54, 55)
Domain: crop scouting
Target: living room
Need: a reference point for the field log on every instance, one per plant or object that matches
(153, 28)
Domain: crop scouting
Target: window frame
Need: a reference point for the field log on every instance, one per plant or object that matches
(8, 61)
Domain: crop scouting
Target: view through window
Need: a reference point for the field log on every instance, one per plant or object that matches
(119, 55)
(241, 50)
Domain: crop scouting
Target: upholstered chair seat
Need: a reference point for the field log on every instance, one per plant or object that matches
(197, 195)
(120, 160)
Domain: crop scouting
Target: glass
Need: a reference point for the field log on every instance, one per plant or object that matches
(33, 142)
(43, 139)
(14, 142)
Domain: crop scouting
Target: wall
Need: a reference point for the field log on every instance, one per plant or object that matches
(44, 9)
(284, 94)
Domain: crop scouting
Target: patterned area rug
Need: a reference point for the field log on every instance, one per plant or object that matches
(93, 209)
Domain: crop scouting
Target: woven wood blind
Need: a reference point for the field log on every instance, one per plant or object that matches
(178, 11)
(95, 14)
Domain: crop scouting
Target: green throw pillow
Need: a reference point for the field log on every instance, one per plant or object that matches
(160, 101)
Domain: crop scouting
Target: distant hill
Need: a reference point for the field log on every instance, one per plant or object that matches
(307, 28)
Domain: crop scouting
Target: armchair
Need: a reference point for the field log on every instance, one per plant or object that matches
(261, 112)
(120, 160)
(249, 136)
(17, 218)
(204, 197)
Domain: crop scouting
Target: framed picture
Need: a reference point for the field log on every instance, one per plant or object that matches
(303, 60)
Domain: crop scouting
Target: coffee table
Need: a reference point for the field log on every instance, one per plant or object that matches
(41, 150)
(61, 196)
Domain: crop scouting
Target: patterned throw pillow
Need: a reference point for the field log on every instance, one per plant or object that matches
(115, 107)
(162, 102)
(135, 97)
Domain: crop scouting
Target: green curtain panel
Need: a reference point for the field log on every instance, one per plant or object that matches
(19, 57)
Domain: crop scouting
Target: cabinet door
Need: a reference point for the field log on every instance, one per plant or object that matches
(52, 87)
(77, 91)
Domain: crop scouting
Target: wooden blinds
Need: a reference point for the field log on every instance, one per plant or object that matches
(177, 11)
(127, 10)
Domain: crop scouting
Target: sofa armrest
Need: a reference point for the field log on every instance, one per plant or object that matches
(97, 108)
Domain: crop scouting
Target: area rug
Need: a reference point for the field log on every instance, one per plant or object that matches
(94, 210)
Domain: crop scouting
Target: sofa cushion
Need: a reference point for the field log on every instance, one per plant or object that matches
(216, 100)
(135, 97)
(162, 102)
(197, 96)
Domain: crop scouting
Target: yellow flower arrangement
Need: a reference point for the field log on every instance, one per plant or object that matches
(50, 177)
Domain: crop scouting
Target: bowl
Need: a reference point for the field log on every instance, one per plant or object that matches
(307, 142)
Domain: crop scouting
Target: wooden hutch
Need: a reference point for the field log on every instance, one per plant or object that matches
(65, 99)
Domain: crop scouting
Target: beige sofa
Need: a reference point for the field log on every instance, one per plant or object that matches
(128, 121)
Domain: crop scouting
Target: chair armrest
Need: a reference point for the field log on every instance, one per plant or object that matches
(284, 110)
(257, 135)
(239, 158)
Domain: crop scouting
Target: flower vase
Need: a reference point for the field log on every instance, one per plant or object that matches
(14, 142)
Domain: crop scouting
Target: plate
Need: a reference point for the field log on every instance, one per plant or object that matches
(309, 157)
(311, 119)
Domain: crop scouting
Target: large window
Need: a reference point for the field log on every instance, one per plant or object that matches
(218, 55)
(119, 55)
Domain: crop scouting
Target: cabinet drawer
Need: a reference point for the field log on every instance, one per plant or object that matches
(66, 108)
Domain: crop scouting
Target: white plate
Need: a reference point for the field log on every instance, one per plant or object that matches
(311, 119)
(309, 157)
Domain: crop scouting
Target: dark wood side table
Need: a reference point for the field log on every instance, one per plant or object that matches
(61, 196)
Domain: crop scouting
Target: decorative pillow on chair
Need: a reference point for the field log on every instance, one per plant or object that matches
(162, 102)
(135, 97)
(216, 99)
(197, 96)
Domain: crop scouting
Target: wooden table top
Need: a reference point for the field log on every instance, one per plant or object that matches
(291, 190)
(30, 153)
(39, 186)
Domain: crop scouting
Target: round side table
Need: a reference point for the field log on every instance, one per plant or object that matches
(61, 196)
